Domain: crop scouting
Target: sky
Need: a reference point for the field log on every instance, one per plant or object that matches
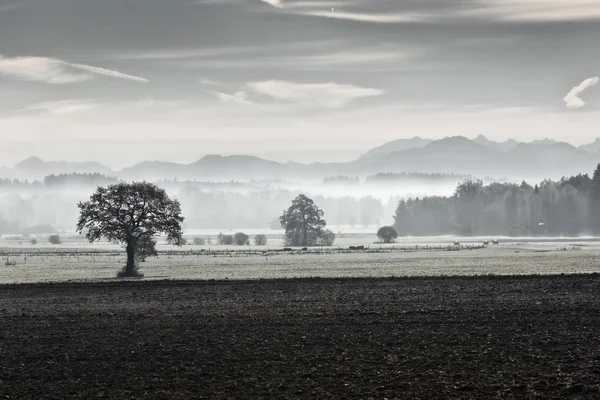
(121, 81)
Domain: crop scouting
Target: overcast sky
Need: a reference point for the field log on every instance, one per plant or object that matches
(120, 81)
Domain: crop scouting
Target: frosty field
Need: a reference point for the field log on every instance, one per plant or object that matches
(79, 261)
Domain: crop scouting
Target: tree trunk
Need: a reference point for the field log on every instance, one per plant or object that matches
(130, 267)
(305, 238)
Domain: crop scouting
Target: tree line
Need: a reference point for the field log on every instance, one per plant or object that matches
(568, 207)
(59, 180)
(395, 177)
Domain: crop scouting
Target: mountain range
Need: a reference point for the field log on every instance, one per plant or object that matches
(479, 156)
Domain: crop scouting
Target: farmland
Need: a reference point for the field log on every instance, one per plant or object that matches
(461, 337)
(421, 318)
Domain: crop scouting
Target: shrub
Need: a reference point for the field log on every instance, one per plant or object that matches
(327, 238)
(241, 239)
(296, 238)
(199, 242)
(177, 242)
(33, 241)
(260, 240)
(387, 234)
(54, 239)
(226, 240)
(145, 248)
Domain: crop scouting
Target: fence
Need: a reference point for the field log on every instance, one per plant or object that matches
(18, 256)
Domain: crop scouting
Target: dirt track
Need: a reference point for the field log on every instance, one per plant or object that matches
(526, 337)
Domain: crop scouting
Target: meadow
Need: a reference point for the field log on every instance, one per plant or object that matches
(76, 260)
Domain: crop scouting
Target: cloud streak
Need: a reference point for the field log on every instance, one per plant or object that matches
(273, 3)
(572, 99)
(60, 107)
(336, 57)
(535, 10)
(391, 12)
(55, 71)
(327, 9)
(328, 95)
(366, 17)
(239, 97)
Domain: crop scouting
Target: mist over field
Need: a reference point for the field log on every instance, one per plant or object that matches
(225, 205)
(237, 193)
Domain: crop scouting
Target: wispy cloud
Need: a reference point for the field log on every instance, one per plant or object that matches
(239, 97)
(274, 3)
(209, 82)
(61, 107)
(179, 54)
(393, 12)
(572, 99)
(329, 95)
(366, 17)
(55, 71)
(342, 10)
(535, 10)
(40, 69)
(334, 56)
(317, 4)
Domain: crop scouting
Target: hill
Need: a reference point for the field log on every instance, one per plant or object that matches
(36, 168)
(452, 155)
(449, 155)
(491, 144)
(396, 145)
(593, 147)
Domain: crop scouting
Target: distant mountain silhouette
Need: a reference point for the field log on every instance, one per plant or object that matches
(396, 145)
(549, 154)
(459, 155)
(35, 167)
(593, 147)
(543, 142)
(538, 159)
(249, 167)
(452, 154)
(153, 170)
(491, 144)
(214, 167)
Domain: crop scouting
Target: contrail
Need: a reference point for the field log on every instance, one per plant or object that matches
(106, 72)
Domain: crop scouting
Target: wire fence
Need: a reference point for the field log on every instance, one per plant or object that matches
(22, 256)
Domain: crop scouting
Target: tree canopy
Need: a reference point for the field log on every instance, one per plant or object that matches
(567, 207)
(387, 234)
(129, 213)
(303, 222)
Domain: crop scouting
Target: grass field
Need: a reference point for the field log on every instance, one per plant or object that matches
(77, 261)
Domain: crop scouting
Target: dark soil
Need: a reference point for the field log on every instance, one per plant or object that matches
(476, 338)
